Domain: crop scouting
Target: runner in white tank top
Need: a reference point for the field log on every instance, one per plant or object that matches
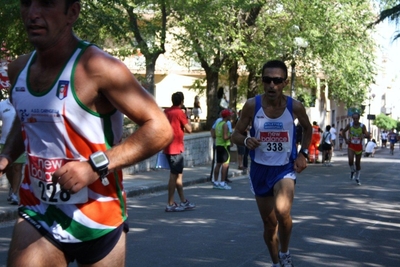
(69, 98)
(274, 159)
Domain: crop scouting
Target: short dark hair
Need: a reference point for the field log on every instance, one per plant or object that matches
(275, 64)
(182, 95)
(177, 98)
(69, 3)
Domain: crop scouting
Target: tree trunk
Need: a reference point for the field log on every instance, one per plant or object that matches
(252, 84)
(233, 82)
(212, 99)
(150, 70)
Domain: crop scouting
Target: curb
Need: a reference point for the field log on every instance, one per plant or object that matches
(7, 215)
(144, 190)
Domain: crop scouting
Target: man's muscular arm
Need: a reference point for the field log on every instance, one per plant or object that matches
(242, 125)
(299, 111)
(104, 83)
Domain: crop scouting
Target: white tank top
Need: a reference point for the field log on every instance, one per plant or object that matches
(58, 128)
(277, 136)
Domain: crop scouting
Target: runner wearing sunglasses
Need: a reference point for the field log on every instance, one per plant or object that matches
(274, 157)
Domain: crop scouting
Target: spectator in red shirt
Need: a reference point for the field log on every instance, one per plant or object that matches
(174, 153)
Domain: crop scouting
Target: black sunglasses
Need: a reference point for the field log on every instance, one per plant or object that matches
(276, 80)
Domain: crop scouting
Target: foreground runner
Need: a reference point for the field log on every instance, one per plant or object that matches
(69, 96)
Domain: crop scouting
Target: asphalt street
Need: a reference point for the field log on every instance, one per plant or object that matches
(336, 222)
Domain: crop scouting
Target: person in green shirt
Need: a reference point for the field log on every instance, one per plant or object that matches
(222, 143)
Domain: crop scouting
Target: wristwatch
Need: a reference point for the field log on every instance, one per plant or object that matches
(304, 151)
(99, 162)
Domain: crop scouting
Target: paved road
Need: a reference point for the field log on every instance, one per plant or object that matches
(336, 222)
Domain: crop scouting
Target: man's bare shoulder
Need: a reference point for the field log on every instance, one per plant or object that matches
(250, 103)
(105, 72)
(297, 104)
(298, 109)
(16, 66)
(95, 59)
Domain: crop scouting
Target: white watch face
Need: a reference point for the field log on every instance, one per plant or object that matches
(99, 159)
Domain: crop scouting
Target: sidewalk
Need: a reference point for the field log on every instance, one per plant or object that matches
(135, 185)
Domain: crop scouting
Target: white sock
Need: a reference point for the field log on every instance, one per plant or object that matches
(352, 168)
(285, 253)
(276, 265)
(358, 175)
(222, 183)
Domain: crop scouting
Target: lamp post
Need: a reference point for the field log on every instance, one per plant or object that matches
(370, 97)
(298, 43)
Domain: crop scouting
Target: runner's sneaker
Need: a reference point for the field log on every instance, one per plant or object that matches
(187, 205)
(215, 185)
(224, 187)
(174, 207)
(14, 199)
(9, 195)
(285, 260)
(352, 175)
(358, 181)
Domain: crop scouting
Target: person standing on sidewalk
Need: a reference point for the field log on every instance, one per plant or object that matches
(333, 137)
(196, 109)
(70, 97)
(326, 146)
(214, 153)
(222, 147)
(174, 153)
(357, 131)
(274, 157)
(14, 172)
(384, 136)
(315, 140)
(392, 137)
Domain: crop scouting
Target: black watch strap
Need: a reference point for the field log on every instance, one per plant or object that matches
(305, 153)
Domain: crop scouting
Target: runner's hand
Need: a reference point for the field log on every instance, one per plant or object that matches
(75, 175)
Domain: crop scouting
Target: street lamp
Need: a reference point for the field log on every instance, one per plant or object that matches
(299, 43)
(369, 117)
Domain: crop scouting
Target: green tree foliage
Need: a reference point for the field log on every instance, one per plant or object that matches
(119, 26)
(222, 34)
(128, 27)
(385, 122)
(12, 31)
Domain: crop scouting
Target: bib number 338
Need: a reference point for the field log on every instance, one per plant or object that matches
(274, 141)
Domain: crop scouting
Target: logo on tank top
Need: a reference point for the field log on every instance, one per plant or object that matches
(273, 125)
(62, 89)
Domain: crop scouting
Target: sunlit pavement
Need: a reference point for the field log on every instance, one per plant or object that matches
(335, 221)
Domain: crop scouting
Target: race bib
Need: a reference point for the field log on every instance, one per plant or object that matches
(355, 140)
(275, 141)
(40, 173)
